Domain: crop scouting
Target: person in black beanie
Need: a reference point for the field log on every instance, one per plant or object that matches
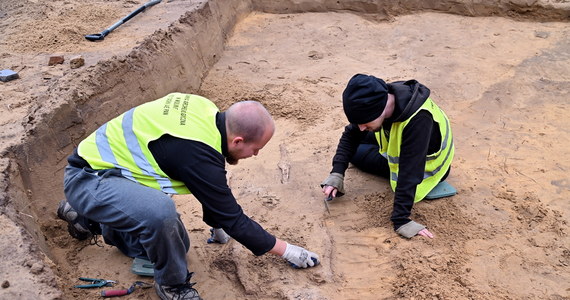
(397, 132)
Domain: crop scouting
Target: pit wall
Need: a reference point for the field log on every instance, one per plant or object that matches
(175, 59)
(539, 10)
(170, 60)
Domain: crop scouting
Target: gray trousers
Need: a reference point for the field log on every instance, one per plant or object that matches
(140, 221)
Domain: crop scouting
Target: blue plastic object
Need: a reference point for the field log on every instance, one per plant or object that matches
(7, 75)
(443, 189)
(142, 267)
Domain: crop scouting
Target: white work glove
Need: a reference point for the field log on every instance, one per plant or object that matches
(218, 235)
(335, 180)
(299, 257)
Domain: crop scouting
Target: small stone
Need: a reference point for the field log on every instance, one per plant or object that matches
(541, 34)
(37, 268)
(315, 55)
(5, 284)
(318, 278)
(76, 62)
(7, 75)
(56, 60)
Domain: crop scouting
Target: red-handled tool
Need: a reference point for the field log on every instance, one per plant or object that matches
(117, 293)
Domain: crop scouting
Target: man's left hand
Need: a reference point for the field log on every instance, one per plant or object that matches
(218, 235)
(426, 233)
(412, 229)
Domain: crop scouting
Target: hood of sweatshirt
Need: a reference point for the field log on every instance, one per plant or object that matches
(410, 95)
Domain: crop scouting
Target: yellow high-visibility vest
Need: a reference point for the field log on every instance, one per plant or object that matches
(437, 163)
(122, 143)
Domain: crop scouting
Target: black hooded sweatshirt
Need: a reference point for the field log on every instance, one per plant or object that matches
(420, 137)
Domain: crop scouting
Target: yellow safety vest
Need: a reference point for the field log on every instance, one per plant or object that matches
(122, 143)
(437, 163)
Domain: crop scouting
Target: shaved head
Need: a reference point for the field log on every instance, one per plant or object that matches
(250, 120)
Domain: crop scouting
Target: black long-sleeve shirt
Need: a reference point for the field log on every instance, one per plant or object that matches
(202, 169)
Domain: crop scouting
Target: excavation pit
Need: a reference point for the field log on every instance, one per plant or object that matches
(500, 71)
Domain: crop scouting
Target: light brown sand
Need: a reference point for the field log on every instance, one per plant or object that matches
(503, 83)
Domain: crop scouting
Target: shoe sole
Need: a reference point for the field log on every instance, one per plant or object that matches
(76, 234)
(162, 296)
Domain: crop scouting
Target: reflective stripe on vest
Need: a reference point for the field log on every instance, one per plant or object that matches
(122, 143)
(437, 163)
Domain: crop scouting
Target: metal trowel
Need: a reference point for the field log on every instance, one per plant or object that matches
(327, 199)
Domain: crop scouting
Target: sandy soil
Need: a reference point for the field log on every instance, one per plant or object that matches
(503, 83)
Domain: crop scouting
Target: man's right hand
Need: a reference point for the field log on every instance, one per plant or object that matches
(299, 257)
(334, 181)
(330, 192)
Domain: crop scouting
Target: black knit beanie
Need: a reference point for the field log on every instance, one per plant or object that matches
(364, 98)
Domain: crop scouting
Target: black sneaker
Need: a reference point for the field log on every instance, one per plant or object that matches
(68, 214)
(183, 291)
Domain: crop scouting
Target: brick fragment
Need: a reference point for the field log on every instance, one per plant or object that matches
(56, 60)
